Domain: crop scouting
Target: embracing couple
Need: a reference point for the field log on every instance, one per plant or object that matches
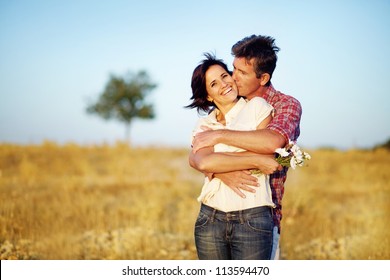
(234, 146)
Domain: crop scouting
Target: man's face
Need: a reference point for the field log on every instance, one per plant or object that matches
(245, 77)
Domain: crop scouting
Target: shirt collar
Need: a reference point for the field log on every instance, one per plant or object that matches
(229, 117)
(269, 93)
(233, 112)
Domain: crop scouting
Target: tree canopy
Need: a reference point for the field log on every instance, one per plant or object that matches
(124, 99)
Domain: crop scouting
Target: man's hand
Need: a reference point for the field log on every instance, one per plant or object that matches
(238, 181)
(206, 138)
(269, 165)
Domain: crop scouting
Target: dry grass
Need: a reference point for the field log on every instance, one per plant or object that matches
(115, 202)
(338, 207)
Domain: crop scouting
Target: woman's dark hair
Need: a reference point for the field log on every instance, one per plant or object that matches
(262, 49)
(198, 84)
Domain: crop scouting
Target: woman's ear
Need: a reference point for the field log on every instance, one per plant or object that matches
(264, 79)
(209, 98)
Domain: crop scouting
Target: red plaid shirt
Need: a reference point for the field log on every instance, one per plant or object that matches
(286, 120)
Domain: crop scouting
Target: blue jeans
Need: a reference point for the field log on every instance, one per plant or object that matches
(275, 246)
(237, 235)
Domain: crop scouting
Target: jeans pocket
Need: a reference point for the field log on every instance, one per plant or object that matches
(202, 220)
(261, 223)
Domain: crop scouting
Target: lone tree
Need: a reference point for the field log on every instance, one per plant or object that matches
(124, 99)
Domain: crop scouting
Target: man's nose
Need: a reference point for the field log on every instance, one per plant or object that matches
(234, 75)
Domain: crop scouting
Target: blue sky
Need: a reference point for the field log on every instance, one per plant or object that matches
(57, 55)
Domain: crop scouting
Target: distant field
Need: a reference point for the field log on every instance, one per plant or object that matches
(114, 202)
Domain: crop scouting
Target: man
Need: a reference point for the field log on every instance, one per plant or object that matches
(254, 62)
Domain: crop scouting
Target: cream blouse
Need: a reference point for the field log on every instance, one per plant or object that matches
(245, 115)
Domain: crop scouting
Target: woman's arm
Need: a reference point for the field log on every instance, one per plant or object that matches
(240, 180)
(284, 126)
(207, 161)
(265, 122)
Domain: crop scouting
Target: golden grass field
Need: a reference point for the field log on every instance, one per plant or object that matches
(116, 202)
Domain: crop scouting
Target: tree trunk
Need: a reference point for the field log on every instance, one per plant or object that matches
(127, 133)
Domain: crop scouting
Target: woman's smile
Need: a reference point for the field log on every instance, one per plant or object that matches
(227, 91)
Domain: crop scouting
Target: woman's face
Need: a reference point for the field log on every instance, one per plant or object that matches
(220, 86)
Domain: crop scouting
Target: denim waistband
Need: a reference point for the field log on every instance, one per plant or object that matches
(239, 215)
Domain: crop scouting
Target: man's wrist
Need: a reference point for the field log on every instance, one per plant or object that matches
(222, 136)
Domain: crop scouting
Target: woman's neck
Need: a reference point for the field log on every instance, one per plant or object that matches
(223, 110)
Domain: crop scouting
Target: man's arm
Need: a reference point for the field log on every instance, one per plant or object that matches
(238, 181)
(207, 161)
(263, 141)
(241, 180)
(283, 127)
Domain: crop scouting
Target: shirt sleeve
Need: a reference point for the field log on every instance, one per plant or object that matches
(287, 117)
(197, 129)
(205, 121)
(262, 109)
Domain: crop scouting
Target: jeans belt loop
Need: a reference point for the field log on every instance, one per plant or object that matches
(241, 217)
(213, 215)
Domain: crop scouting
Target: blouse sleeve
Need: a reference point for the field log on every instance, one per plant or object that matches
(205, 121)
(261, 108)
(201, 122)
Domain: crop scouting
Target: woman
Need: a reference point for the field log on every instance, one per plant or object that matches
(229, 226)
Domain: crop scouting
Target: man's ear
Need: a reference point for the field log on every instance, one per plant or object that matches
(264, 79)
